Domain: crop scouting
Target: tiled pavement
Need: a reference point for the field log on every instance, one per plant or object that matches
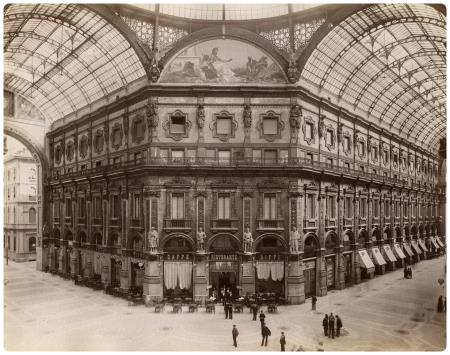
(45, 312)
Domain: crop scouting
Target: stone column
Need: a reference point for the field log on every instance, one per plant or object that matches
(356, 272)
(248, 275)
(200, 282)
(321, 274)
(61, 266)
(73, 263)
(153, 280)
(106, 267)
(89, 269)
(340, 274)
(295, 280)
(124, 277)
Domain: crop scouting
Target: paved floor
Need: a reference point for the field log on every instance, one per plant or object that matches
(45, 312)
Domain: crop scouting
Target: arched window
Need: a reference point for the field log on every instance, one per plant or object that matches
(32, 216)
(32, 244)
(310, 247)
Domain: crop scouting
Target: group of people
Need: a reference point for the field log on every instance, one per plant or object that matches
(332, 325)
(407, 272)
(228, 308)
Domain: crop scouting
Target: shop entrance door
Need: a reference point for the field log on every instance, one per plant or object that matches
(309, 274)
(348, 268)
(227, 280)
(115, 273)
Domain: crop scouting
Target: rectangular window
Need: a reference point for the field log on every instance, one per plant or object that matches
(387, 209)
(210, 154)
(138, 157)
(376, 208)
(224, 157)
(223, 206)
(136, 206)
(116, 160)
(56, 209)
(331, 207)
(374, 153)
(177, 206)
(270, 125)
(68, 207)
(329, 137)
(362, 208)
(347, 143)
(374, 171)
(191, 154)
(361, 167)
(308, 130)
(385, 156)
(347, 165)
(385, 174)
(330, 161)
(311, 206)
(284, 156)
(405, 209)
(256, 154)
(178, 124)
(81, 207)
(98, 163)
(348, 207)
(270, 156)
(270, 207)
(115, 206)
(97, 207)
(224, 125)
(413, 210)
(361, 147)
(309, 156)
(83, 167)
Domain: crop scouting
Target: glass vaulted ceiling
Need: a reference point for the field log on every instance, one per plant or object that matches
(230, 11)
(388, 60)
(64, 57)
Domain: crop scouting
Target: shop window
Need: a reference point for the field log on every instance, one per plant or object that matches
(211, 154)
(177, 206)
(223, 206)
(270, 206)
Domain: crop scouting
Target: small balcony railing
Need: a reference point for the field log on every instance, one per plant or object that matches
(271, 224)
(224, 224)
(181, 224)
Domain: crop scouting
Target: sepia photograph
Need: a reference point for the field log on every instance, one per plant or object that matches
(223, 177)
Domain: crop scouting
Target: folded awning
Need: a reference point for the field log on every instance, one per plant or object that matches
(434, 241)
(365, 261)
(377, 257)
(422, 245)
(390, 255)
(416, 248)
(398, 251)
(439, 241)
(408, 249)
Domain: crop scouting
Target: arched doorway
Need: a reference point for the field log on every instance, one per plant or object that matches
(310, 248)
(224, 264)
(348, 238)
(331, 245)
(270, 265)
(68, 241)
(178, 259)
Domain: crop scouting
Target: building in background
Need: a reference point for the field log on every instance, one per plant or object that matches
(20, 203)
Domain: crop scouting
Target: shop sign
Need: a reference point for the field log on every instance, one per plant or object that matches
(177, 257)
(224, 257)
(309, 264)
(224, 266)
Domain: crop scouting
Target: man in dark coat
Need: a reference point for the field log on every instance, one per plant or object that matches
(262, 318)
(282, 341)
(338, 325)
(325, 325)
(331, 326)
(313, 302)
(255, 311)
(265, 332)
(225, 308)
(230, 311)
(440, 307)
(235, 334)
(405, 272)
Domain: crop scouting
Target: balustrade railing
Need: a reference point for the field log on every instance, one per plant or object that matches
(270, 224)
(224, 224)
(177, 224)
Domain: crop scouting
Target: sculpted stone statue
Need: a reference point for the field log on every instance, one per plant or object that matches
(294, 116)
(153, 240)
(294, 239)
(247, 116)
(151, 111)
(248, 241)
(201, 237)
(200, 116)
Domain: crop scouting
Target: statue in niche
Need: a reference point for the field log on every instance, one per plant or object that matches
(321, 126)
(248, 240)
(201, 116)
(201, 237)
(153, 240)
(294, 116)
(293, 240)
(151, 111)
(247, 116)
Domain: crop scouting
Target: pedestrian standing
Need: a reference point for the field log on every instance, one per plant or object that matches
(325, 325)
(262, 318)
(265, 332)
(331, 325)
(440, 306)
(282, 341)
(235, 334)
(338, 325)
(255, 311)
(410, 272)
(230, 311)
(313, 302)
(445, 304)
(405, 272)
(225, 308)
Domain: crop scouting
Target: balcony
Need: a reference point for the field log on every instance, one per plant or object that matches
(224, 225)
(271, 224)
(177, 224)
